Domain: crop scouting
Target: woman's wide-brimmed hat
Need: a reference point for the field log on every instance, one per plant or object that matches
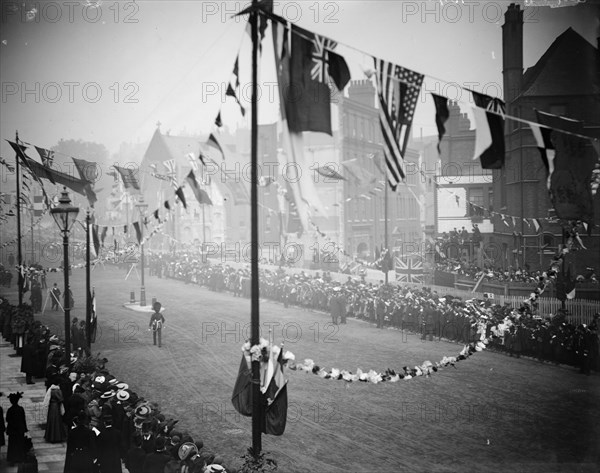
(187, 450)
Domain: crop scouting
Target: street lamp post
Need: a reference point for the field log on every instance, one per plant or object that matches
(64, 215)
(88, 294)
(142, 206)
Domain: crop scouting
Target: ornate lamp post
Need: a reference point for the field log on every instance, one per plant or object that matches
(142, 206)
(64, 215)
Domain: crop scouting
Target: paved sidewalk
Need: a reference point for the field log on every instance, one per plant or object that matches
(50, 456)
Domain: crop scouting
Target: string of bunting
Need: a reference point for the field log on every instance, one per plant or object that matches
(27, 232)
(406, 81)
(427, 368)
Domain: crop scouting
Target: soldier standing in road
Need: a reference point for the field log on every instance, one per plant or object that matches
(157, 322)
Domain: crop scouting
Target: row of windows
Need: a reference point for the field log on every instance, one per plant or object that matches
(360, 127)
(406, 207)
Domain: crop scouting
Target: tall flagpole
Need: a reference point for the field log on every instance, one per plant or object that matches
(385, 226)
(88, 299)
(203, 229)
(19, 254)
(257, 407)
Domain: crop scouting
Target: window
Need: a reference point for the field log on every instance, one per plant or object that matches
(503, 187)
(559, 109)
(517, 113)
(548, 240)
(475, 197)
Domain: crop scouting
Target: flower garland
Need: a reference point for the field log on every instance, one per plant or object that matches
(263, 351)
(389, 375)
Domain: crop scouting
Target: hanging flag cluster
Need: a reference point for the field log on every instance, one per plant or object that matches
(273, 385)
(86, 169)
(309, 68)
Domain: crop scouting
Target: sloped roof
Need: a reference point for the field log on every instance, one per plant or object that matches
(568, 67)
(164, 147)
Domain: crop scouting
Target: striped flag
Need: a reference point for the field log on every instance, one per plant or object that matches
(543, 139)
(93, 318)
(397, 91)
(200, 194)
(38, 205)
(489, 130)
(192, 160)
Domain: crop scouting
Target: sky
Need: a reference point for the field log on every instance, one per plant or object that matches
(108, 71)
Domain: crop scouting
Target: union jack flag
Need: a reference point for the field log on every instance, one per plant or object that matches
(46, 155)
(171, 172)
(409, 269)
(320, 55)
(170, 166)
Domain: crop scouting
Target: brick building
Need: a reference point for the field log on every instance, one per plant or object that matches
(564, 81)
(364, 198)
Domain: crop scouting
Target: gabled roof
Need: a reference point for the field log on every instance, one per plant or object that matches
(570, 66)
(165, 147)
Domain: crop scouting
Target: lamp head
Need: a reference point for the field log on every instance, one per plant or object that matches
(64, 213)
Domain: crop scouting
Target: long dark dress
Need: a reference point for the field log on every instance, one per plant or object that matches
(16, 426)
(81, 450)
(136, 456)
(109, 450)
(28, 362)
(56, 430)
(2, 428)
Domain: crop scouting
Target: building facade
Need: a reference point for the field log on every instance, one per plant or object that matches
(365, 188)
(564, 82)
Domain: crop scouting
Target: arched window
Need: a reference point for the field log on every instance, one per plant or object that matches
(548, 240)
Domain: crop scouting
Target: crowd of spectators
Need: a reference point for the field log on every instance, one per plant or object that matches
(544, 336)
(106, 425)
(511, 274)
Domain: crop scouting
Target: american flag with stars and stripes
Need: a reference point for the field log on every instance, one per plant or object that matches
(398, 89)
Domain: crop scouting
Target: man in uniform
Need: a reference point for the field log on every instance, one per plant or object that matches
(55, 293)
(157, 322)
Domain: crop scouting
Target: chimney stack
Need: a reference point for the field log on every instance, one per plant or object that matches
(512, 52)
